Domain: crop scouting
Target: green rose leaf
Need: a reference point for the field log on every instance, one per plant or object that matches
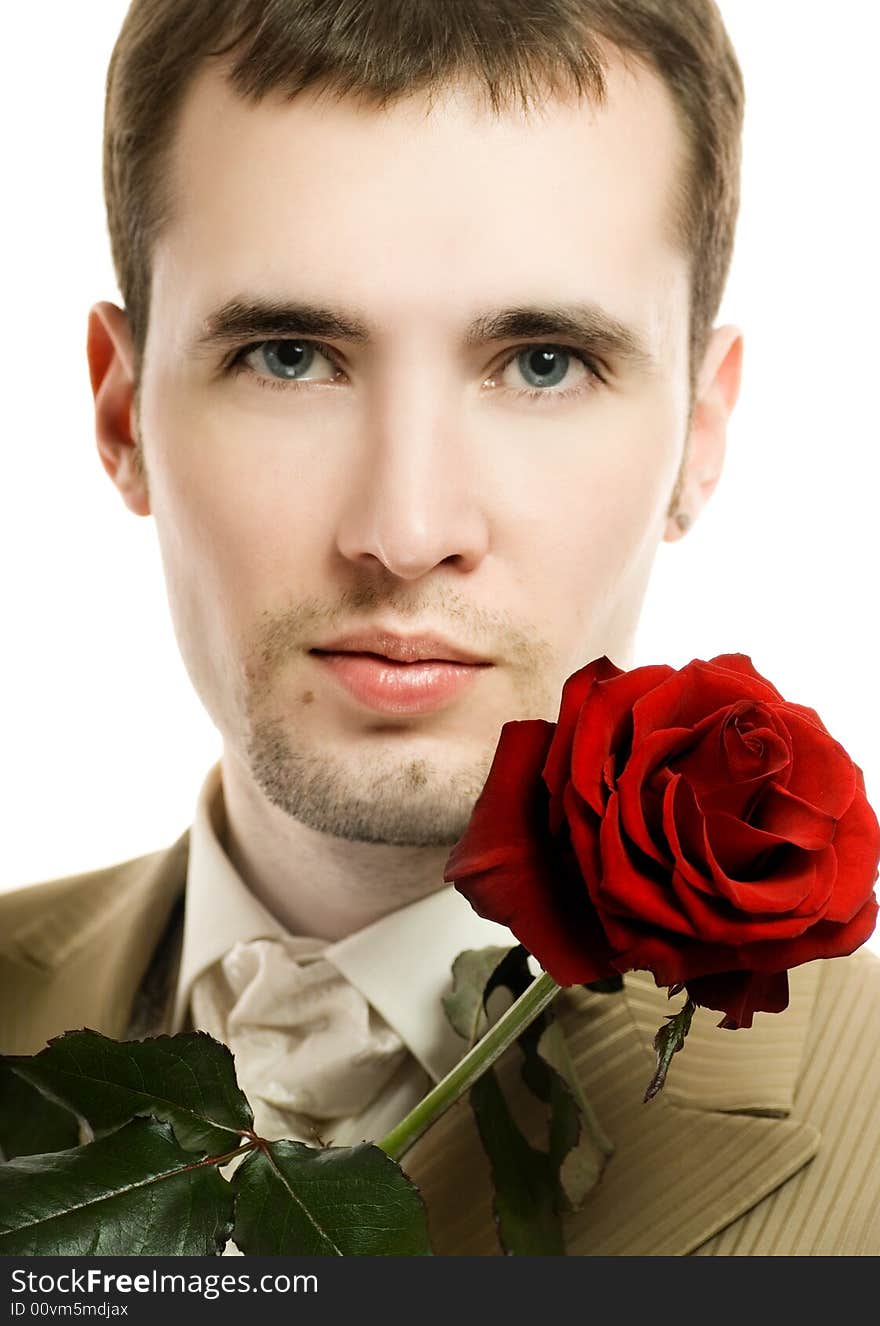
(577, 1144)
(296, 1200)
(187, 1080)
(512, 972)
(133, 1193)
(524, 1205)
(30, 1124)
(465, 1006)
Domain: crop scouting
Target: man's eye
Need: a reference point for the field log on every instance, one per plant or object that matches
(276, 363)
(543, 368)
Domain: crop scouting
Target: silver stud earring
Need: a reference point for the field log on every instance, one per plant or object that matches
(682, 520)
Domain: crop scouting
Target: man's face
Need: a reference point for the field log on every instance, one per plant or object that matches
(408, 480)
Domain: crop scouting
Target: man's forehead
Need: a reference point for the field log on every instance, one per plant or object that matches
(422, 197)
(438, 134)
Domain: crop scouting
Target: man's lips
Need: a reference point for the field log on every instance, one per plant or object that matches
(391, 686)
(400, 648)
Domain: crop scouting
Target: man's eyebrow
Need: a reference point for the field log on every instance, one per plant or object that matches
(587, 323)
(267, 319)
(242, 320)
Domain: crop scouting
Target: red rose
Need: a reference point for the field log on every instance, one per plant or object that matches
(689, 822)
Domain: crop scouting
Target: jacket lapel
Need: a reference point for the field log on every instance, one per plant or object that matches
(78, 950)
(721, 1139)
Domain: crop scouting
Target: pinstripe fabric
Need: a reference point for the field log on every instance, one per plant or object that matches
(764, 1142)
(729, 1070)
(831, 1208)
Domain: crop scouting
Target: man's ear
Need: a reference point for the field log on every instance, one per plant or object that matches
(716, 394)
(111, 369)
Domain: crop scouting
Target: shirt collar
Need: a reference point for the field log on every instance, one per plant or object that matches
(401, 963)
(220, 909)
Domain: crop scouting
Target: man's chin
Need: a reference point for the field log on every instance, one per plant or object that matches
(422, 822)
(399, 799)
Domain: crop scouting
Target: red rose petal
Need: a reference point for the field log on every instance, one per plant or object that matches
(620, 930)
(546, 915)
(509, 817)
(627, 889)
(822, 774)
(714, 905)
(674, 962)
(557, 767)
(737, 848)
(809, 714)
(778, 811)
(742, 664)
(692, 695)
(583, 826)
(640, 806)
(716, 769)
(785, 871)
(685, 833)
(511, 871)
(741, 994)
(824, 939)
(603, 727)
(857, 846)
(793, 881)
(755, 742)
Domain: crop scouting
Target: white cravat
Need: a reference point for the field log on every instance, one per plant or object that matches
(311, 1053)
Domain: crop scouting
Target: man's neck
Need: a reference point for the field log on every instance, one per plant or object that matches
(314, 883)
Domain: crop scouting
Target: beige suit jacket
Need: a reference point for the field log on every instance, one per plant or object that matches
(764, 1142)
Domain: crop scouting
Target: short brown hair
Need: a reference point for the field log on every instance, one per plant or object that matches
(381, 50)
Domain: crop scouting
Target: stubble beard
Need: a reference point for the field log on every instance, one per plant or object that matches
(407, 801)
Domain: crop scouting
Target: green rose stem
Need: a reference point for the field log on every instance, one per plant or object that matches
(465, 1073)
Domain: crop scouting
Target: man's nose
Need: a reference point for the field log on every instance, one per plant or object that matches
(414, 499)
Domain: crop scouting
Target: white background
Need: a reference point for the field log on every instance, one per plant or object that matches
(105, 743)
